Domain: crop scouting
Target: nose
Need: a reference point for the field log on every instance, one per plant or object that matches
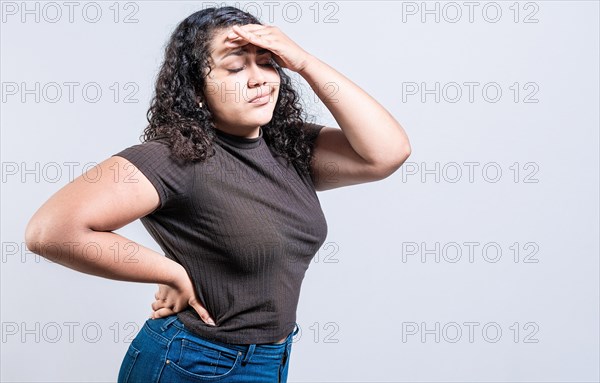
(256, 76)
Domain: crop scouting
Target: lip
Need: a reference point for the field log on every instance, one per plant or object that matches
(261, 100)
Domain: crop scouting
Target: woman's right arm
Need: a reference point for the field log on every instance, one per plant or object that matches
(74, 227)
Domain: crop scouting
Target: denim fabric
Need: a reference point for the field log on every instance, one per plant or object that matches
(165, 351)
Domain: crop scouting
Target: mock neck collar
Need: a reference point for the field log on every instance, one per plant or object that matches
(240, 141)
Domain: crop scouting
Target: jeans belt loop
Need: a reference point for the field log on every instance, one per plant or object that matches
(249, 353)
(168, 322)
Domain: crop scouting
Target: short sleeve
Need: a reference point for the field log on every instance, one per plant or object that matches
(312, 131)
(169, 177)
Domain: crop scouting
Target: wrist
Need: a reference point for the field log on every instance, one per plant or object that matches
(176, 274)
(309, 62)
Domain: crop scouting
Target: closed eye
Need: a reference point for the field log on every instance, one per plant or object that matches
(267, 65)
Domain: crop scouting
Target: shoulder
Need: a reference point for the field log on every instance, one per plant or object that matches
(154, 160)
(312, 130)
(159, 147)
(156, 153)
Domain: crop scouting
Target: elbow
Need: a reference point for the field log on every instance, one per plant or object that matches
(406, 152)
(34, 236)
(51, 235)
(56, 239)
(394, 163)
(41, 232)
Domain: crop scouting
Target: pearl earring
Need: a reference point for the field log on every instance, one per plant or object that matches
(200, 104)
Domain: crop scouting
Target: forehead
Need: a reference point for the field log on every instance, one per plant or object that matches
(218, 47)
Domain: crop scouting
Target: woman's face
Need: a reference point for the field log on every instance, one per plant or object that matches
(240, 74)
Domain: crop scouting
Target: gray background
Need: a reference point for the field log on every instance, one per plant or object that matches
(370, 303)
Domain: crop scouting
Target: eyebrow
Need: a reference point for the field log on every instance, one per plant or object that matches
(242, 50)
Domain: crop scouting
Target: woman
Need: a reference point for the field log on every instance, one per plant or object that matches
(225, 182)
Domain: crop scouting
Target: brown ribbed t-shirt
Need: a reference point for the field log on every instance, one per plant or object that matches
(244, 224)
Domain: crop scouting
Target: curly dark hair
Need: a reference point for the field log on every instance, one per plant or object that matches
(174, 112)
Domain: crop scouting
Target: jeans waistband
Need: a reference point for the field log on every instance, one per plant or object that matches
(175, 321)
(247, 350)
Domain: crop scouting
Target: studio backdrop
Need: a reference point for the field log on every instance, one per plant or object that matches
(476, 261)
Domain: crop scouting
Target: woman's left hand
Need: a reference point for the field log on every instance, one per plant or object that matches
(286, 52)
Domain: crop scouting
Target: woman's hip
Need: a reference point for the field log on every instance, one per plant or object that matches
(165, 351)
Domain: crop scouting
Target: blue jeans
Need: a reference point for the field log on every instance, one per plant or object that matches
(165, 351)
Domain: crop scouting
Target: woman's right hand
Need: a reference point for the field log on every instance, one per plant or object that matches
(175, 297)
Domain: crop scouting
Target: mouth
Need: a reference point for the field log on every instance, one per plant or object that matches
(261, 100)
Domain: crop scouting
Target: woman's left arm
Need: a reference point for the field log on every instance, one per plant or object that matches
(371, 144)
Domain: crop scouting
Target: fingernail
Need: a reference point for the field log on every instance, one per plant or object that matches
(210, 321)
